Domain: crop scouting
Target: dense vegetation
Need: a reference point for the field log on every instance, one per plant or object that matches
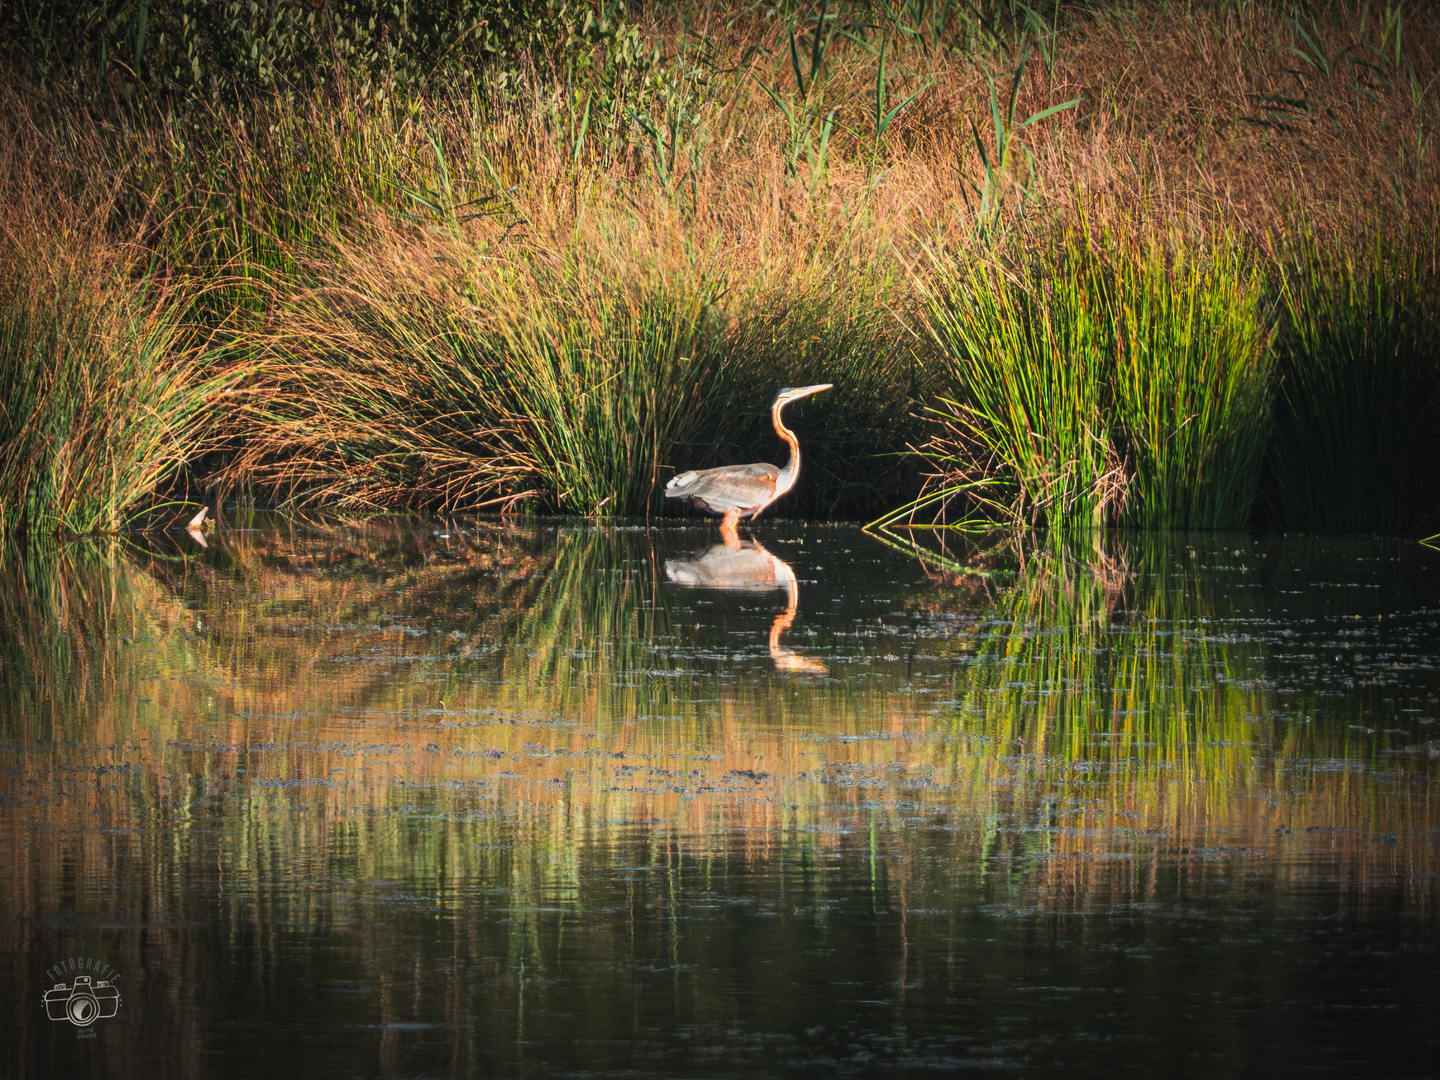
(1168, 265)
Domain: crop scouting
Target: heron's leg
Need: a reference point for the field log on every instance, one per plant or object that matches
(727, 528)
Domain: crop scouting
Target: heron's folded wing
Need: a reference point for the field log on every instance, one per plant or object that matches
(758, 471)
(728, 487)
(697, 481)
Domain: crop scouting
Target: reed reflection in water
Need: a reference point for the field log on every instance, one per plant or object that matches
(396, 800)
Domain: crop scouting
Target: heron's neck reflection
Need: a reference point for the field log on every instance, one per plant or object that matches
(745, 565)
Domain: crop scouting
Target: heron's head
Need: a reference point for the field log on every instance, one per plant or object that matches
(790, 393)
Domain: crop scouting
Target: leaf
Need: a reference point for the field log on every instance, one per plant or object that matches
(817, 48)
(1051, 111)
(1323, 64)
(795, 63)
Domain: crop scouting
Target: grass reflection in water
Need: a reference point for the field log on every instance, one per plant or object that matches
(526, 794)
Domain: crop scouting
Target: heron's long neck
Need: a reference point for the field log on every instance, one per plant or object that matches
(786, 480)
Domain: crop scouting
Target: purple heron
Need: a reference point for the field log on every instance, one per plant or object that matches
(741, 491)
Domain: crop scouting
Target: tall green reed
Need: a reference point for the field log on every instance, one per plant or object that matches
(1190, 386)
(1103, 378)
(1023, 359)
(1357, 445)
(603, 385)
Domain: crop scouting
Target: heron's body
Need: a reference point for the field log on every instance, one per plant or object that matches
(745, 488)
(733, 492)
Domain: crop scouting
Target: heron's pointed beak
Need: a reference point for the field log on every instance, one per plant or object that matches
(790, 393)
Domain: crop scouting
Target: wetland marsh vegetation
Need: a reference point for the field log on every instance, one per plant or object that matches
(375, 795)
(1163, 265)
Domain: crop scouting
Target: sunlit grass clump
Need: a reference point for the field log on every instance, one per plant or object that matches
(1103, 379)
(414, 372)
(102, 400)
(1190, 385)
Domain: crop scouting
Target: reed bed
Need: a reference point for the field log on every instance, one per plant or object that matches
(1105, 380)
(546, 262)
(103, 399)
(381, 393)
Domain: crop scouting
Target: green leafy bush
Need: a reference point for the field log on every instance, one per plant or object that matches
(233, 49)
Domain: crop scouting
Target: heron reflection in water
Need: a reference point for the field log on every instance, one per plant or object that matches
(741, 491)
(743, 565)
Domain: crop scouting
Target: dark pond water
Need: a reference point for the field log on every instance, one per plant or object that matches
(557, 800)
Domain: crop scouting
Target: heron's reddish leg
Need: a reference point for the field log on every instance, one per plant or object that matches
(727, 528)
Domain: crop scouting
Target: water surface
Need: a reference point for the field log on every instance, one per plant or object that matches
(562, 800)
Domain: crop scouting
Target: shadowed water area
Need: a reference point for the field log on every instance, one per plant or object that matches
(564, 800)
